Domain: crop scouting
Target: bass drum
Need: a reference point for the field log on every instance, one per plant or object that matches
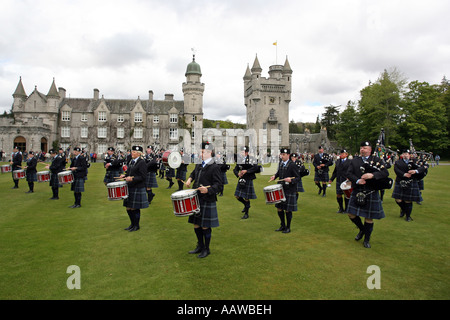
(172, 159)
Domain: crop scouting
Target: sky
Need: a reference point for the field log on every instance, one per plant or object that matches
(126, 48)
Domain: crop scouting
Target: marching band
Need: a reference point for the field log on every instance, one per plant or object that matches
(132, 178)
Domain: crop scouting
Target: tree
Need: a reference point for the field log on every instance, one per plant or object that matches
(347, 128)
(426, 117)
(379, 107)
(330, 119)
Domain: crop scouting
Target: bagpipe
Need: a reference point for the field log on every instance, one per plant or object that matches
(325, 159)
(301, 167)
(417, 163)
(371, 167)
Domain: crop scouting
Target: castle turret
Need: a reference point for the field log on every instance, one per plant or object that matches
(19, 96)
(193, 93)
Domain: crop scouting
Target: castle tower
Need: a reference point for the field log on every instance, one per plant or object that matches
(19, 96)
(267, 99)
(193, 93)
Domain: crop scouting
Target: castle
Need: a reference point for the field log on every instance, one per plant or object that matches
(97, 123)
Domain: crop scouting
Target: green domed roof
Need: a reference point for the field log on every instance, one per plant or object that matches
(193, 68)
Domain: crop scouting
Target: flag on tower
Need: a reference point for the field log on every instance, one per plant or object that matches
(275, 43)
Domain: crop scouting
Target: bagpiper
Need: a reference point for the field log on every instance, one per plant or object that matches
(322, 161)
(31, 171)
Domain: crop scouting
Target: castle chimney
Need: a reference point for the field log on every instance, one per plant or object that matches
(150, 96)
(168, 97)
(96, 94)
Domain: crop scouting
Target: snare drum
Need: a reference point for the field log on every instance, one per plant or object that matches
(346, 186)
(185, 203)
(65, 177)
(19, 174)
(274, 194)
(117, 190)
(43, 176)
(6, 168)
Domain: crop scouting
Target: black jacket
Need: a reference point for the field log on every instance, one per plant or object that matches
(250, 164)
(207, 176)
(326, 159)
(31, 165)
(139, 173)
(81, 164)
(58, 164)
(401, 167)
(358, 167)
(340, 170)
(288, 171)
(16, 161)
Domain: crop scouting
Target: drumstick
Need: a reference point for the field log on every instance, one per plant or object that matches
(120, 179)
(283, 179)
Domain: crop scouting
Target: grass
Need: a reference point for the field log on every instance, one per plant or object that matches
(319, 259)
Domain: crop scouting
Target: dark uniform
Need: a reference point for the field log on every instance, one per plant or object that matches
(287, 169)
(205, 174)
(79, 176)
(58, 165)
(152, 166)
(406, 190)
(31, 171)
(137, 195)
(321, 176)
(182, 170)
(114, 168)
(244, 188)
(365, 200)
(339, 173)
(224, 167)
(302, 171)
(16, 164)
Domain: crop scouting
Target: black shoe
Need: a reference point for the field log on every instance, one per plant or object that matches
(15, 187)
(359, 236)
(245, 216)
(287, 230)
(205, 252)
(402, 214)
(367, 244)
(408, 219)
(72, 206)
(77, 206)
(198, 249)
(29, 191)
(134, 228)
(129, 227)
(54, 198)
(280, 228)
(340, 210)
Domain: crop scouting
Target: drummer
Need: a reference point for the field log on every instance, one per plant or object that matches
(301, 170)
(288, 175)
(182, 169)
(208, 181)
(339, 172)
(113, 166)
(16, 164)
(58, 165)
(79, 170)
(152, 166)
(137, 196)
(31, 171)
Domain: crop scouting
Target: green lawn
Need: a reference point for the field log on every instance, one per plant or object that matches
(319, 259)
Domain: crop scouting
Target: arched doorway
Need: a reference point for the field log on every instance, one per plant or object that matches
(21, 143)
(44, 145)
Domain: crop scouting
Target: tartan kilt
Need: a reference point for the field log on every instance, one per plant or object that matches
(224, 178)
(77, 185)
(300, 186)
(290, 204)
(410, 193)
(323, 177)
(338, 185)
(151, 182)
(137, 198)
(373, 209)
(181, 175)
(54, 182)
(170, 173)
(208, 217)
(109, 176)
(421, 185)
(247, 192)
(31, 176)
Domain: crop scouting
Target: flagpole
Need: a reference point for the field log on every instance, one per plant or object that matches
(276, 51)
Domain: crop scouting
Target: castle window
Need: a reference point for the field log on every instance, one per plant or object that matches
(101, 132)
(120, 133)
(84, 132)
(138, 117)
(155, 119)
(102, 116)
(83, 117)
(155, 133)
(65, 132)
(173, 133)
(173, 118)
(102, 148)
(65, 116)
(120, 118)
(138, 133)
